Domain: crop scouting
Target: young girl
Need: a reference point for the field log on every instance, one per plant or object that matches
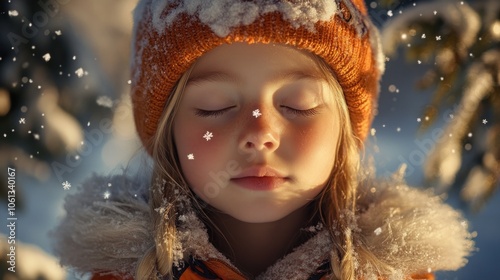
(255, 113)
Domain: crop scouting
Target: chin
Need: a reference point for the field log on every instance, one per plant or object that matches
(259, 216)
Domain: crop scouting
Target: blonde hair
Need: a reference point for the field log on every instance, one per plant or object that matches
(166, 180)
(335, 204)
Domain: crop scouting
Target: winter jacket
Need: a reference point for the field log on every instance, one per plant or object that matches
(411, 230)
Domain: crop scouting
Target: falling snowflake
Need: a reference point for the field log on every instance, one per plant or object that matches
(106, 195)
(80, 72)
(22, 121)
(208, 135)
(485, 121)
(66, 185)
(438, 38)
(256, 113)
(190, 157)
(423, 36)
(58, 32)
(46, 57)
(378, 231)
(104, 101)
(13, 13)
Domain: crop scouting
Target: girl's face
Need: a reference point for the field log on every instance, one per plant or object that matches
(257, 130)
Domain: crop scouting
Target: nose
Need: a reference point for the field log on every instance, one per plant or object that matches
(260, 134)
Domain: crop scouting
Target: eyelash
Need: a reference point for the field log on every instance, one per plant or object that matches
(217, 113)
(304, 113)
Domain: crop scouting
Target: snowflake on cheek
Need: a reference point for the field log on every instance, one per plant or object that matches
(190, 157)
(208, 135)
(256, 113)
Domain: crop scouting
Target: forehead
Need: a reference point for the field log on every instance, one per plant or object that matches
(241, 59)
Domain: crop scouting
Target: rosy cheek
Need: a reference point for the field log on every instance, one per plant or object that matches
(199, 149)
(196, 146)
(315, 144)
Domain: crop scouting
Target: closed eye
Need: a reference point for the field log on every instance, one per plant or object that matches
(304, 113)
(212, 113)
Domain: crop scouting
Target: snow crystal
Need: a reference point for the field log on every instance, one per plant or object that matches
(58, 32)
(389, 13)
(256, 113)
(222, 15)
(208, 135)
(106, 195)
(378, 231)
(104, 101)
(46, 56)
(66, 185)
(13, 13)
(190, 156)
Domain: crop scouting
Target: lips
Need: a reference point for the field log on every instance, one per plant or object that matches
(260, 179)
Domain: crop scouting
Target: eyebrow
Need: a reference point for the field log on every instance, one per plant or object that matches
(289, 75)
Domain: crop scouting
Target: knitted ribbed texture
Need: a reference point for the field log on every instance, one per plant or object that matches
(347, 42)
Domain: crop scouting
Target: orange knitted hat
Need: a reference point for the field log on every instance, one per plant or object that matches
(169, 35)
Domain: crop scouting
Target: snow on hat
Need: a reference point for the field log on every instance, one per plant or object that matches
(169, 35)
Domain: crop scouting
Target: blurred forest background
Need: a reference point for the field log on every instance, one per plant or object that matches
(65, 111)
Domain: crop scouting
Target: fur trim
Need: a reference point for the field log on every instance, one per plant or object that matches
(407, 229)
(102, 234)
(411, 230)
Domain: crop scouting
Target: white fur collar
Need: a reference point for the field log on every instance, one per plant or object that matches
(406, 228)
